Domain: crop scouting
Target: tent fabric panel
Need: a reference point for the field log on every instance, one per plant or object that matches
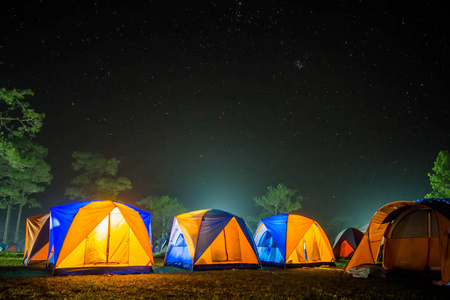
(268, 250)
(444, 242)
(40, 255)
(145, 216)
(34, 225)
(248, 249)
(137, 254)
(411, 225)
(178, 253)
(189, 224)
(231, 246)
(97, 243)
(298, 227)
(350, 237)
(277, 226)
(41, 243)
(406, 253)
(316, 245)
(225, 248)
(434, 258)
(212, 224)
(85, 221)
(233, 239)
(119, 240)
(324, 245)
(75, 257)
(339, 237)
(61, 218)
(298, 255)
(37, 238)
(345, 249)
(133, 218)
(244, 230)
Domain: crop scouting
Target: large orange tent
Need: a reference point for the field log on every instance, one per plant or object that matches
(414, 235)
(292, 240)
(210, 239)
(36, 239)
(95, 237)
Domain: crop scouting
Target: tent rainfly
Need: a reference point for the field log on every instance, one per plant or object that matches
(97, 237)
(36, 239)
(210, 239)
(292, 240)
(411, 235)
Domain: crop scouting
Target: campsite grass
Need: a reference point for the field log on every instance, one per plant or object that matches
(268, 283)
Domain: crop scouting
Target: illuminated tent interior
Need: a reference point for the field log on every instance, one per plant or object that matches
(96, 237)
(36, 239)
(346, 242)
(291, 240)
(411, 235)
(210, 239)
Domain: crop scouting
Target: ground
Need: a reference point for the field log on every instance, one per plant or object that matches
(20, 282)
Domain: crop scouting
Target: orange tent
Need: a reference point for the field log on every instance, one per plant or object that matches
(36, 239)
(95, 237)
(292, 240)
(414, 234)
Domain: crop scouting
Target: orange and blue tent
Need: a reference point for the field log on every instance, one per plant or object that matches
(290, 240)
(346, 242)
(36, 239)
(99, 236)
(408, 235)
(210, 239)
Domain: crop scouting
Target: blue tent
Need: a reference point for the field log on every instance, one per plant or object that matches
(292, 240)
(210, 239)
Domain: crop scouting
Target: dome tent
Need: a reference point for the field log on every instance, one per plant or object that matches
(346, 242)
(292, 240)
(412, 235)
(36, 239)
(210, 239)
(97, 237)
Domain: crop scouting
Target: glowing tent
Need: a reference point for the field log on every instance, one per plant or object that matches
(415, 235)
(36, 239)
(96, 237)
(210, 239)
(292, 240)
(346, 242)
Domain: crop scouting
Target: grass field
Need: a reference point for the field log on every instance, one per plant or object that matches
(20, 282)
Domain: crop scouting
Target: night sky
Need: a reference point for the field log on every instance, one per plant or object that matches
(210, 102)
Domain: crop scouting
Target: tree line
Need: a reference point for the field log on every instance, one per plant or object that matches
(24, 173)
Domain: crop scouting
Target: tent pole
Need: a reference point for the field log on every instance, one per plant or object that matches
(108, 237)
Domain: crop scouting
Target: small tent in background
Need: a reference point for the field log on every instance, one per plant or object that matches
(36, 239)
(364, 228)
(160, 245)
(96, 237)
(210, 239)
(415, 235)
(346, 242)
(13, 247)
(292, 240)
(2, 247)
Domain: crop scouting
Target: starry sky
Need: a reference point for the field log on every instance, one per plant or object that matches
(210, 102)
